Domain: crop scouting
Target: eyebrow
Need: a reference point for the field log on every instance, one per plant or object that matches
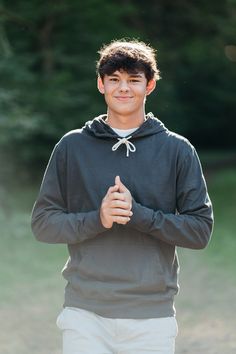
(131, 75)
(136, 75)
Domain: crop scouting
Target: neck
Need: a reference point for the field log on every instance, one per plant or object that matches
(125, 122)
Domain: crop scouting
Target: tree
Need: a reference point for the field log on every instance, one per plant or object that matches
(196, 95)
(48, 80)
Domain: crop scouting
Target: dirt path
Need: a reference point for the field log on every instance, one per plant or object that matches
(205, 313)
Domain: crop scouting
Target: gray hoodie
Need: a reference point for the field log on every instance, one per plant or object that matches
(128, 271)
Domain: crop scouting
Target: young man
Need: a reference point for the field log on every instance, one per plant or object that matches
(122, 193)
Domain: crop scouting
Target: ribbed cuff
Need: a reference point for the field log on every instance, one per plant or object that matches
(142, 217)
(92, 224)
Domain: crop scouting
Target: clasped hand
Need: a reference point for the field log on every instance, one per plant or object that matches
(116, 205)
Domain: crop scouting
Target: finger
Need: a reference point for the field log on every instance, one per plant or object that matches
(120, 204)
(116, 196)
(112, 189)
(117, 180)
(121, 219)
(126, 197)
(121, 186)
(120, 212)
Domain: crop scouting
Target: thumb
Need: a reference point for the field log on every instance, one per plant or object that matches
(121, 186)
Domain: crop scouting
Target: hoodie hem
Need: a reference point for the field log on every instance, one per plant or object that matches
(126, 310)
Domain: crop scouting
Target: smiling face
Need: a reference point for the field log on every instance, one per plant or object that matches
(125, 94)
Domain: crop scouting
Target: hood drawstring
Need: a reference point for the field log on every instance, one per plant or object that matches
(129, 146)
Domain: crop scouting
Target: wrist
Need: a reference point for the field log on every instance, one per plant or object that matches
(105, 223)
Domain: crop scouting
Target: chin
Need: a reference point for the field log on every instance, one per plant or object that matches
(125, 113)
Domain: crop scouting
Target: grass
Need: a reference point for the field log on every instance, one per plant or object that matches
(222, 190)
(25, 264)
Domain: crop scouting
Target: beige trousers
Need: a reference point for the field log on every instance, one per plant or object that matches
(85, 332)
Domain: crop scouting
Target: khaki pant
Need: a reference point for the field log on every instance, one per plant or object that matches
(85, 332)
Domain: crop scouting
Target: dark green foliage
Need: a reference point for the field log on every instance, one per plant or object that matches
(47, 68)
(197, 96)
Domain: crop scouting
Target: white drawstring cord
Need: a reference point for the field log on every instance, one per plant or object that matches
(129, 145)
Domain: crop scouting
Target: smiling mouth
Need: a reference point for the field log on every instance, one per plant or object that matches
(123, 98)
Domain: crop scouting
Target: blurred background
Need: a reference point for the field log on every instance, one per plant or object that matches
(48, 53)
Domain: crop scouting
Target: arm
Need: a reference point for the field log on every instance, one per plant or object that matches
(192, 224)
(51, 221)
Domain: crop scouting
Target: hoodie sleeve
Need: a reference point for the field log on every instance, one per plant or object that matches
(50, 219)
(191, 225)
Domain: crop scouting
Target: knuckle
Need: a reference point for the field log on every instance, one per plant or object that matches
(115, 195)
(117, 203)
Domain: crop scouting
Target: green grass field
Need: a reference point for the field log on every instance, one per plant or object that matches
(221, 251)
(32, 288)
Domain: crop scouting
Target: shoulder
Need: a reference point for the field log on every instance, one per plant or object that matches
(66, 142)
(72, 134)
(179, 141)
(70, 138)
(183, 150)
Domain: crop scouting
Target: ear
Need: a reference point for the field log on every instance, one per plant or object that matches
(150, 87)
(100, 85)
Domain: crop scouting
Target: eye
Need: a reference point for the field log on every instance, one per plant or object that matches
(134, 80)
(113, 79)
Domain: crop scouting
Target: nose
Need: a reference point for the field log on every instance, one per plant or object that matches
(124, 87)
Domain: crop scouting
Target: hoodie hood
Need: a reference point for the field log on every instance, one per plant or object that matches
(100, 129)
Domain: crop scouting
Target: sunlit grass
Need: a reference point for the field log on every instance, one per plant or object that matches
(222, 189)
(25, 264)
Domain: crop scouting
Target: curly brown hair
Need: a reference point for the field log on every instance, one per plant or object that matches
(131, 56)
